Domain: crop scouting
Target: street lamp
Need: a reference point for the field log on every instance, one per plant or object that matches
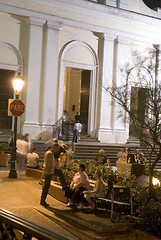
(18, 83)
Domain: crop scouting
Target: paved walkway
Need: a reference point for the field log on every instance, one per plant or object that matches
(22, 196)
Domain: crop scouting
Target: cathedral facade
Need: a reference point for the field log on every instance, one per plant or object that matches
(68, 52)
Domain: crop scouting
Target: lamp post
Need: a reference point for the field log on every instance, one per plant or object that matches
(17, 86)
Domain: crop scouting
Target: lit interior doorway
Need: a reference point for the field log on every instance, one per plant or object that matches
(138, 107)
(6, 92)
(76, 95)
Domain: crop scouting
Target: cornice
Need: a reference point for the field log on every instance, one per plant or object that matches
(53, 25)
(111, 13)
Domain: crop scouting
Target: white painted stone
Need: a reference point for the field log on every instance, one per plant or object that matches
(45, 55)
(31, 46)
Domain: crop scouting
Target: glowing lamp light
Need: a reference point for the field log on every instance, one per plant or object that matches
(156, 181)
(18, 83)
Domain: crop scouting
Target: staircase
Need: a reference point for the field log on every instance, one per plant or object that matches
(5, 135)
(87, 150)
(83, 138)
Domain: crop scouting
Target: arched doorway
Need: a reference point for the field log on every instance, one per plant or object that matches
(77, 85)
(8, 67)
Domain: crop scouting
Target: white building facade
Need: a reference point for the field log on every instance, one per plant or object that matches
(67, 52)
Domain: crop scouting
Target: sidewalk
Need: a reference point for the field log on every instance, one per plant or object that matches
(22, 197)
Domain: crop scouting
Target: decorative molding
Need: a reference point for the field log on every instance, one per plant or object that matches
(105, 36)
(72, 44)
(16, 52)
(131, 19)
(31, 20)
(9, 66)
(122, 40)
(53, 25)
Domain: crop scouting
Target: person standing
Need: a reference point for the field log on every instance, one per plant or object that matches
(22, 150)
(77, 117)
(58, 150)
(51, 167)
(79, 130)
(64, 121)
(47, 172)
(75, 132)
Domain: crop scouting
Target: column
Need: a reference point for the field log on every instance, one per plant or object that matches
(158, 63)
(121, 55)
(106, 56)
(122, 4)
(49, 94)
(31, 49)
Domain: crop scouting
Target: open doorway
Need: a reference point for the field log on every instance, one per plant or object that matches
(76, 95)
(6, 92)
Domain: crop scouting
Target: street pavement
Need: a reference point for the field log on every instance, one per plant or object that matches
(21, 196)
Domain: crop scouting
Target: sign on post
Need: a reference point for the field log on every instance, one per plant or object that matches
(16, 107)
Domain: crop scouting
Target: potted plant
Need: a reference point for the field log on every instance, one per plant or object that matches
(4, 157)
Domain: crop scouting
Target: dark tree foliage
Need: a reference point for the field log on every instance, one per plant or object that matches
(147, 123)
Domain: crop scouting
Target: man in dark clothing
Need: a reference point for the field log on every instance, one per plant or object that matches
(51, 166)
(77, 117)
(57, 150)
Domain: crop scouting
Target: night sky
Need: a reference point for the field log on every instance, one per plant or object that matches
(152, 3)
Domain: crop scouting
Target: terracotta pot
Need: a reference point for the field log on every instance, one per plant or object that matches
(4, 159)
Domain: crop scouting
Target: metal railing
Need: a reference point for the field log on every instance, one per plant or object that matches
(10, 222)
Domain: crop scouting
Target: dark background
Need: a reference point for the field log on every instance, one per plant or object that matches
(152, 3)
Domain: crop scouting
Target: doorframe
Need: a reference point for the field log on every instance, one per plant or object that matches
(132, 83)
(92, 113)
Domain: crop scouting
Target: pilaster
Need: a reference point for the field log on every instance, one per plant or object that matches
(31, 49)
(106, 56)
(49, 90)
(158, 64)
(119, 123)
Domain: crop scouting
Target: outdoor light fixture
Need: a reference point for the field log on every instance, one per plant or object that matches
(156, 181)
(18, 83)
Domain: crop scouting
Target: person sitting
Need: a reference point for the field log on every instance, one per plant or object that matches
(102, 158)
(32, 159)
(98, 191)
(80, 183)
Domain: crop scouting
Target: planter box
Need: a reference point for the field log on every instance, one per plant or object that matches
(4, 159)
(56, 191)
(125, 170)
(33, 173)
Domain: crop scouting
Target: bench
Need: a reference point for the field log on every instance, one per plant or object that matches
(120, 200)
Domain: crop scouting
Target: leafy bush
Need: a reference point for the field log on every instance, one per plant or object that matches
(91, 167)
(147, 209)
(3, 146)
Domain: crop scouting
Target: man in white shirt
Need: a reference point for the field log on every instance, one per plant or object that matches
(32, 159)
(75, 132)
(22, 150)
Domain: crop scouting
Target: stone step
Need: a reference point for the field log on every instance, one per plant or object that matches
(89, 150)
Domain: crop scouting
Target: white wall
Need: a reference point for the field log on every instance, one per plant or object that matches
(9, 29)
